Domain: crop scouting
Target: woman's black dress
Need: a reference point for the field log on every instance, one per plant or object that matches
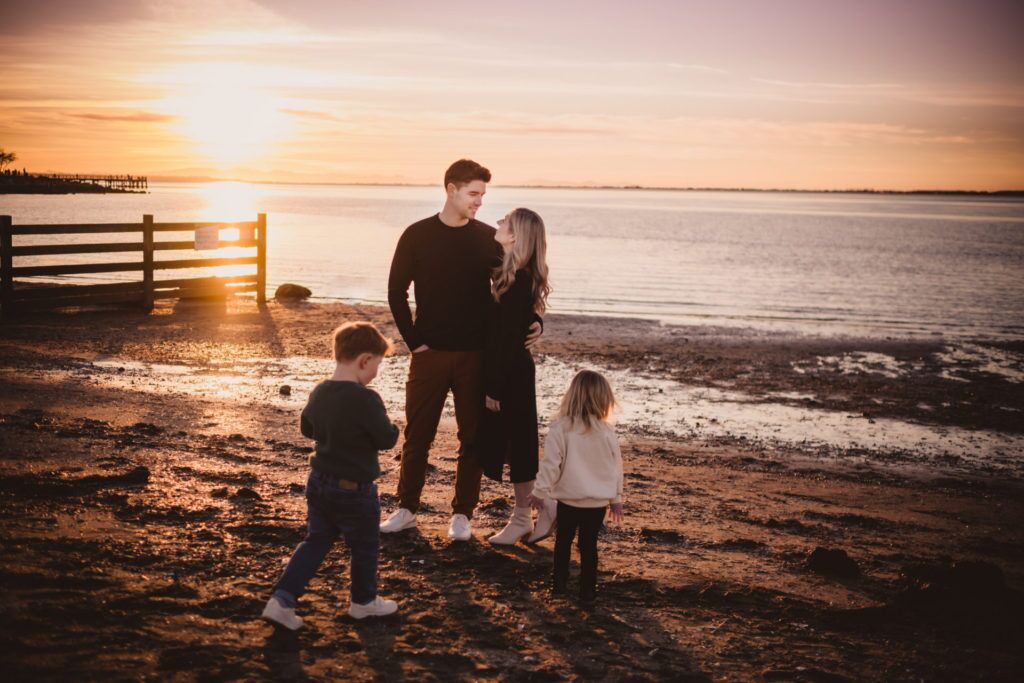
(510, 435)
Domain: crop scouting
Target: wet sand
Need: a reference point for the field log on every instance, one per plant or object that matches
(142, 529)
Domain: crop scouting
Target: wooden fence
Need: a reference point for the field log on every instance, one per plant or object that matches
(144, 291)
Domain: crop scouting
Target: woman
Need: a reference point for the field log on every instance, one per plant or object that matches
(509, 430)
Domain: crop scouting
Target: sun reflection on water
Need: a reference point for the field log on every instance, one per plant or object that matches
(231, 201)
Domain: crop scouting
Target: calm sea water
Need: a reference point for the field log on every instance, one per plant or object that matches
(826, 264)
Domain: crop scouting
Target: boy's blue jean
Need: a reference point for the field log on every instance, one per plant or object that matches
(335, 512)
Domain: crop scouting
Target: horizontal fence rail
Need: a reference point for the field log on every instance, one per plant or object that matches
(113, 247)
(144, 291)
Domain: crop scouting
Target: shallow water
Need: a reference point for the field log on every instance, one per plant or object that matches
(820, 263)
(647, 406)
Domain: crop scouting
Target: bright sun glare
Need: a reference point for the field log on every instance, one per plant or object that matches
(229, 118)
(230, 201)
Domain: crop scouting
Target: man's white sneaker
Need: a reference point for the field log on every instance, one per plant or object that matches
(400, 519)
(379, 607)
(277, 613)
(545, 522)
(459, 529)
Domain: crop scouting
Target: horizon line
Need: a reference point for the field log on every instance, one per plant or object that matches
(667, 188)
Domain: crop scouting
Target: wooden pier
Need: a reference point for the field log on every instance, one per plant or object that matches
(112, 182)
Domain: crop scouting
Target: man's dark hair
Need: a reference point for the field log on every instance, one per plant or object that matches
(465, 171)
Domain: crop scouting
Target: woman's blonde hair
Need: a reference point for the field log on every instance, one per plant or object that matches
(589, 400)
(530, 252)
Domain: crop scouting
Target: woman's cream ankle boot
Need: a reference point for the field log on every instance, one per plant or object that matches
(545, 522)
(520, 525)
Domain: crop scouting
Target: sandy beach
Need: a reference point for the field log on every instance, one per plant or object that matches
(152, 474)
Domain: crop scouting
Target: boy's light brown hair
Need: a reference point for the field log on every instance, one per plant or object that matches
(589, 400)
(352, 339)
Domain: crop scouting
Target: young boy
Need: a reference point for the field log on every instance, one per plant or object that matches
(350, 425)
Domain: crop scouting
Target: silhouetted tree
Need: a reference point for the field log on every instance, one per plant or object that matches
(6, 158)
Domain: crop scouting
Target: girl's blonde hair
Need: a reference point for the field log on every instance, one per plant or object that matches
(530, 252)
(589, 400)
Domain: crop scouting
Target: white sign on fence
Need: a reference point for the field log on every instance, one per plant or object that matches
(207, 238)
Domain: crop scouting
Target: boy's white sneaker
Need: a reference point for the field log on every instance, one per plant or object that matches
(400, 519)
(378, 607)
(277, 613)
(460, 529)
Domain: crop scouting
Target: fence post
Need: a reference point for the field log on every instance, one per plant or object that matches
(6, 268)
(147, 263)
(261, 259)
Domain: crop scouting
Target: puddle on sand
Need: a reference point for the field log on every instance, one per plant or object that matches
(977, 358)
(857, 362)
(957, 361)
(647, 405)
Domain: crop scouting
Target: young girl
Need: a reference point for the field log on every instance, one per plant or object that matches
(508, 430)
(582, 470)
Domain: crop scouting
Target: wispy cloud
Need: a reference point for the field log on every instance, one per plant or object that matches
(310, 114)
(972, 96)
(767, 134)
(830, 86)
(521, 124)
(696, 67)
(132, 117)
(963, 95)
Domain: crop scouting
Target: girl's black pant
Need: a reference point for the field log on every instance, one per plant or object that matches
(588, 521)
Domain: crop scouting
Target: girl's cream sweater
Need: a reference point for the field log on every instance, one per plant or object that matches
(581, 467)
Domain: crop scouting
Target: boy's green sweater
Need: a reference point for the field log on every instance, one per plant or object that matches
(350, 424)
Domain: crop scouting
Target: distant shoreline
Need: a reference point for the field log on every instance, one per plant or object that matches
(17, 184)
(32, 184)
(955, 193)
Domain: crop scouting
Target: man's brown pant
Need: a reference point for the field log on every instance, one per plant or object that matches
(432, 374)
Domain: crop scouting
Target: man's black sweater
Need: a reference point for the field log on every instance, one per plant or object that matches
(451, 269)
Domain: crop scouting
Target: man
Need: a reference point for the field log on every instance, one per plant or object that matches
(448, 257)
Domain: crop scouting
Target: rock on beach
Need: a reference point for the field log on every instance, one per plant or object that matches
(292, 291)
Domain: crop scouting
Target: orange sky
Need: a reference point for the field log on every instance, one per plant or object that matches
(791, 94)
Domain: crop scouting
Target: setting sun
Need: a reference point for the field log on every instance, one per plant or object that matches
(227, 117)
